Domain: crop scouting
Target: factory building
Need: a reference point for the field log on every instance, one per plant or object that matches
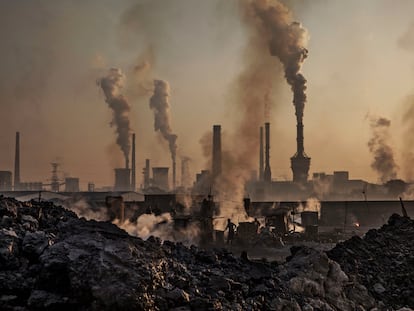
(71, 184)
(122, 179)
(160, 178)
(5, 181)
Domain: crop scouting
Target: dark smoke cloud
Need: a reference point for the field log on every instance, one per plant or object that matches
(111, 85)
(162, 118)
(287, 41)
(383, 162)
(272, 32)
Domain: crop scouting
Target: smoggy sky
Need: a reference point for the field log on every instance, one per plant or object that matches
(360, 64)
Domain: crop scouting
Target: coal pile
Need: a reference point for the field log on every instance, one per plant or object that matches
(383, 261)
(52, 260)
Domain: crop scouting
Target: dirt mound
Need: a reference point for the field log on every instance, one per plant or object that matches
(383, 261)
(52, 260)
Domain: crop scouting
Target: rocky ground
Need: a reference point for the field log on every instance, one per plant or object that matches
(383, 261)
(52, 260)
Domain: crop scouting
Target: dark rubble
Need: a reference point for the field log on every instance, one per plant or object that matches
(383, 261)
(52, 260)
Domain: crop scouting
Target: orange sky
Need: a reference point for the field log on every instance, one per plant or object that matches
(361, 61)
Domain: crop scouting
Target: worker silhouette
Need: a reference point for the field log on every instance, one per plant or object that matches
(231, 227)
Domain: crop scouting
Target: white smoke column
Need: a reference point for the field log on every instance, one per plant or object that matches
(83, 209)
(162, 118)
(383, 162)
(111, 85)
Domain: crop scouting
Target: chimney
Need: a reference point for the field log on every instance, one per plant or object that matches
(174, 174)
(185, 182)
(147, 174)
(133, 172)
(300, 162)
(216, 169)
(17, 163)
(261, 159)
(267, 175)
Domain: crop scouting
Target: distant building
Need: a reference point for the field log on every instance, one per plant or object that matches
(71, 184)
(5, 181)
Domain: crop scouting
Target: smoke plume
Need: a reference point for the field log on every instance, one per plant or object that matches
(287, 41)
(272, 32)
(408, 139)
(162, 118)
(111, 85)
(383, 162)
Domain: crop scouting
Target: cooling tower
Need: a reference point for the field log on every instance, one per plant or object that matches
(122, 179)
(160, 177)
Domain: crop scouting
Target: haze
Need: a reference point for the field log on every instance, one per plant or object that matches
(360, 64)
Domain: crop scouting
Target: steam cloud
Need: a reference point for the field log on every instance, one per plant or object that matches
(160, 105)
(272, 32)
(383, 162)
(111, 85)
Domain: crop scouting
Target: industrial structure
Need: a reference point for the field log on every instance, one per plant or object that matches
(122, 179)
(5, 181)
(17, 164)
(133, 166)
(160, 178)
(267, 174)
(300, 162)
(216, 153)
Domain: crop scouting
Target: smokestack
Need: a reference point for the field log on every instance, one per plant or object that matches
(267, 175)
(133, 173)
(17, 163)
(185, 172)
(174, 172)
(147, 174)
(300, 162)
(216, 169)
(261, 159)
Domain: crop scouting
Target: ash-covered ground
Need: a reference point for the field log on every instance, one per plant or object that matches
(52, 260)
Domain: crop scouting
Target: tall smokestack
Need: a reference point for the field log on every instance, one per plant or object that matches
(216, 169)
(261, 155)
(174, 173)
(17, 163)
(133, 173)
(267, 175)
(147, 174)
(300, 162)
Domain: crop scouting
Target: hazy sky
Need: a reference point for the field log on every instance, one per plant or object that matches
(361, 61)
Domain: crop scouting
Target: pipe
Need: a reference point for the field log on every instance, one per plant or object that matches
(267, 171)
(133, 173)
(17, 163)
(261, 155)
